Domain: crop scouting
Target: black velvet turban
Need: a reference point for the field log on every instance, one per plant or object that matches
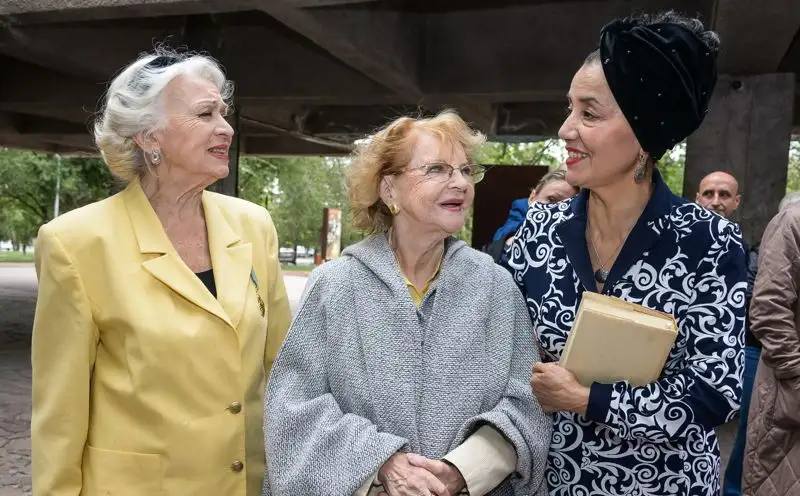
(662, 77)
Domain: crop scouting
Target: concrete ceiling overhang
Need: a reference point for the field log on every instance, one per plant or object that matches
(313, 75)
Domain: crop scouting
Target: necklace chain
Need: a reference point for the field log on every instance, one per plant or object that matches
(394, 250)
(603, 271)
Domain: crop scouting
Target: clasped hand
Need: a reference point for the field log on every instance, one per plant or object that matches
(409, 474)
(558, 390)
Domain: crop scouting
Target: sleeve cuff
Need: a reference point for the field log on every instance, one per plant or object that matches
(599, 402)
(485, 459)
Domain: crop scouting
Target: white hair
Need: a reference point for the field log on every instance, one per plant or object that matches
(132, 105)
(789, 200)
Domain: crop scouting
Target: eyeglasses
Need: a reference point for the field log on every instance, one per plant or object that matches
(440, 172)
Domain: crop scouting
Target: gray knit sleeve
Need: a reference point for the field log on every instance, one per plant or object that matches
(518, 415)
(312, 446)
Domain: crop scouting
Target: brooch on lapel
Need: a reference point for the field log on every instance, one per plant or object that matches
(254, 279)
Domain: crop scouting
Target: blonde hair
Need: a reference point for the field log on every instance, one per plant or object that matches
(388, 152)
(559, 174)
(132, 105)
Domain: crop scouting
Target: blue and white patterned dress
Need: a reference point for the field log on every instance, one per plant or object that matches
(682, 259)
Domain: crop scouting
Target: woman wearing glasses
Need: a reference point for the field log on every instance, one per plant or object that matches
(406, 370)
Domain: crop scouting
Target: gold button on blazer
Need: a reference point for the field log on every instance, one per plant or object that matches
(136, 365)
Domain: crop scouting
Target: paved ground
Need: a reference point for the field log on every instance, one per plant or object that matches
(17, 301)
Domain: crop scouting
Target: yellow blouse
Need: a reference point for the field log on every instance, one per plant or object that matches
(418, 294)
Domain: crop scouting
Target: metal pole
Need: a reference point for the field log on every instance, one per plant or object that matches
(58, 186)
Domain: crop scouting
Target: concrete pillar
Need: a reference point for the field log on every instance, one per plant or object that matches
(230, 185)
(746, 133)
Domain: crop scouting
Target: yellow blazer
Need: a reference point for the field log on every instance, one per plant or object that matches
(143, 383)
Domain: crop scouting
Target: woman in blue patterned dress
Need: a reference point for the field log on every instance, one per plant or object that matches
(646, 89)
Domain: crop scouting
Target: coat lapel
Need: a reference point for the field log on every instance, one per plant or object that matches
(232, 261)
(573, 237)
(643, 235)
(162, 261)
(641, 238)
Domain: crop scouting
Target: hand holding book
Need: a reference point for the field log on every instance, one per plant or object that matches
(615, 340)
(558, 390)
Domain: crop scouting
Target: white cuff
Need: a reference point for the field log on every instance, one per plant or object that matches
(485, 459)
(364, 490)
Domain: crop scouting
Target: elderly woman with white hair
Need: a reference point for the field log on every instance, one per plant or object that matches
(160, 308)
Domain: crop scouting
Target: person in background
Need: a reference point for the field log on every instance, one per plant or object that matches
(772, 451)
(719, 191)
(551, 188)
(161, 308)
(628, 236)
(406, 369)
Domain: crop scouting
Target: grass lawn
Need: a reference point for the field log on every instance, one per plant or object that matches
(297, 268)
(15, 256)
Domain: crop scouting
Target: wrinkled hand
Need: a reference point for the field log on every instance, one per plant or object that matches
(558, 390)
(400, 478)
(445, 472)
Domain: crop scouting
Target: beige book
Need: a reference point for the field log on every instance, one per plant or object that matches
(613, 340)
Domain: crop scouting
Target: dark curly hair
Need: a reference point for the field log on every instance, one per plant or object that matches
(710, 38)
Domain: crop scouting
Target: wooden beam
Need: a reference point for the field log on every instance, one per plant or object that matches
(31, 124)
(519, 50)
(46, 11)
(344, 147)
(304, 4)
(477, 113)
(25, 83)
(78, 141)
(17, 43)
(533, 119)
(755, 35)
(285, 145)
(513, 119)
(382, 45)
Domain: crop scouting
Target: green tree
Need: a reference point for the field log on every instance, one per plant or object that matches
(672, 167)
(28, 180)
(544, 152)
(28, 189)
(16, 226)
(257, 179)
(296, 190)
(793, 172)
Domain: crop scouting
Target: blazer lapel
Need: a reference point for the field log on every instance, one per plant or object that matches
(161, 259)
(232, 261)
(573, 237)
(644, 233)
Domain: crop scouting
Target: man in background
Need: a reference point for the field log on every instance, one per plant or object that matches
(719, 191)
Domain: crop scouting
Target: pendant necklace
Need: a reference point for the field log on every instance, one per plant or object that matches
(601, 274)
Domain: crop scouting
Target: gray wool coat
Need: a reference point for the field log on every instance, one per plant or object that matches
(364, 373)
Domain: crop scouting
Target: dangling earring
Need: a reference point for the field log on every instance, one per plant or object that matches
(155, 157)
(394, 208)
(641, 168)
